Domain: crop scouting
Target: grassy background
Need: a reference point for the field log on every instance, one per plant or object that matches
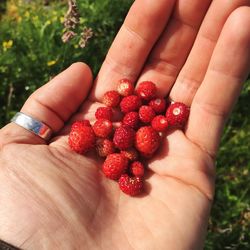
(31, 52)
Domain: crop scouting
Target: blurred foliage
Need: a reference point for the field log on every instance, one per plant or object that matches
(31, 49)
(229, 226)
(31, 52)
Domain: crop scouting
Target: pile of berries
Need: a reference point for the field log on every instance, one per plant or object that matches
(136, 138)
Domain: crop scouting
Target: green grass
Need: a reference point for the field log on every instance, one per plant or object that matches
(229, 226)
(36, 31)
(36, 34)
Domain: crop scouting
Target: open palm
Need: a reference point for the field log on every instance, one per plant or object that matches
(53, 198)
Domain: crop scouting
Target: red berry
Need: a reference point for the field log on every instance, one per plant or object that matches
(147, 140)
(114, 166)
(158, 105)
(130, 153)
(159, 123)
(81, 138)
(146, 114)
(146, 90)
(124, 137)
(131, 119)
(104, 113)
(111, 98)
(102, 128)
(177, 114)
(104, 147)
(78, 124)
(131, 185)
(125, 87)
(130, 103)
(137, 168)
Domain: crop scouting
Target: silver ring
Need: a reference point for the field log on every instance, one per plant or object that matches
(32, 125)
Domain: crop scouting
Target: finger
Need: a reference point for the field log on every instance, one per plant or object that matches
(52, 104)
(142, 27)
(193, 72)
(171, 51)
(227, 70)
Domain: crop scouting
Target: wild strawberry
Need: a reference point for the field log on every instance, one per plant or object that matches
(147, 140)
(111, 98)
(146, 90)
(78, 124)
(177, 114)
(104, 113)
(130, 103)
(131, 119)
(158, 105)
(125, 87)
(104, 147)
(130, 153)
(146, 114)
(131, 185)
(159, 123)
(124, 137)
(81, 138)
(114, 166)
(102, 128)
(136, 168)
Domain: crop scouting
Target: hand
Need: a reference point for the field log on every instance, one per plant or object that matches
(52, 198)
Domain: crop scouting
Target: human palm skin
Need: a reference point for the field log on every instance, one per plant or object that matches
(53, 198)
(57, 199)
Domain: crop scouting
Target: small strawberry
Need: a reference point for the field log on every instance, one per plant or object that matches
(78, 124)
(104, 147)
(124, 137)
(137, 169)
(104, 113)
(102, 128)
(159, 123)
(177, 114)
(146, 90)
(131, 119)
(114, 166)
(146, 114)
(125, 87)
(131, 185)
(130, 103)
(130, 153)
(111, 98)
(147, 140)
(81, 138)
(158, 105)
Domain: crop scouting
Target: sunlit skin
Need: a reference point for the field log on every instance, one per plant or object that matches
(197, 52)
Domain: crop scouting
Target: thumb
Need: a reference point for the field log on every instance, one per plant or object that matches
(51, 104)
